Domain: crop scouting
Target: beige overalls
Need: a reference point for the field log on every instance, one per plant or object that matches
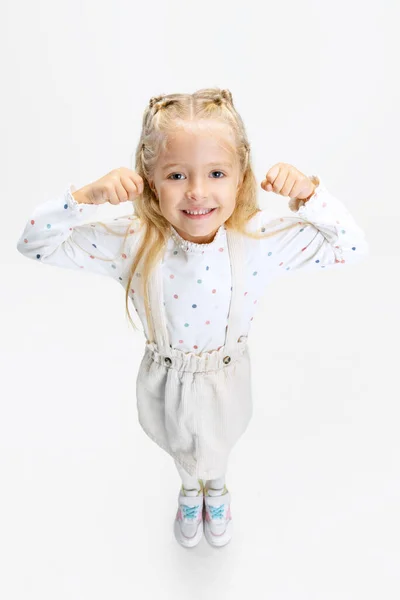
(196, 406)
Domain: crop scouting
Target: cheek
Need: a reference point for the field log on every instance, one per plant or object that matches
(166, 206)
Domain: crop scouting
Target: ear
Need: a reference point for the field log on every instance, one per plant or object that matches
(153, 189)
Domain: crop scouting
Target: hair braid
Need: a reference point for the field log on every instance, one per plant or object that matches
(154, 100)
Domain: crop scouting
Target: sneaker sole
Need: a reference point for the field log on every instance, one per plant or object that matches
(188, 542)
(220, 540)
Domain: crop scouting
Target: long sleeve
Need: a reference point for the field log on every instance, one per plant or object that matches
(56, 234)
(322, 234)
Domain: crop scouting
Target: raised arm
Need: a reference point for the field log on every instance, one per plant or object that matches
(320, 235)
(58, 233)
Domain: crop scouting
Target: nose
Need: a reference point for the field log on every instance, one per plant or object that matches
(197, 188)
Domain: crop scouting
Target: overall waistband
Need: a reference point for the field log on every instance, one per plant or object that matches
(191, 362)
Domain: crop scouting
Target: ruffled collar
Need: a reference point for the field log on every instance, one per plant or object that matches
(194, 248)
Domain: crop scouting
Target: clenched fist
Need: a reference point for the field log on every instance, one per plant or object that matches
(286, 180)
(120, 185)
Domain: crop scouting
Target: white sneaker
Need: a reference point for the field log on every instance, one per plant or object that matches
(188, 524)
(217, 518)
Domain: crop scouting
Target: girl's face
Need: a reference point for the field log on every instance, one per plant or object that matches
(196, 172)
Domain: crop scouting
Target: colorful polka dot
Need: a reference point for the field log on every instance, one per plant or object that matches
(180, 280)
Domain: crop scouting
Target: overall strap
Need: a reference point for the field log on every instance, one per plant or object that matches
(157, 311)
(236, 256)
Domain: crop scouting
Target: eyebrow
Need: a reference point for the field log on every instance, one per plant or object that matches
(211, 164)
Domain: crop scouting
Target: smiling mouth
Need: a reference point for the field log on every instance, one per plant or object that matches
(199, 216)
(199, 210)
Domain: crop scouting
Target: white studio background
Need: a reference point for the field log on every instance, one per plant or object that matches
(87, 500)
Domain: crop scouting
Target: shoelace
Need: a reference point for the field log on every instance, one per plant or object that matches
(217, 512)
(189, 512)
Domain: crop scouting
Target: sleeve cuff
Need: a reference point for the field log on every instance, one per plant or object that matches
(78, 207)
(295, 204)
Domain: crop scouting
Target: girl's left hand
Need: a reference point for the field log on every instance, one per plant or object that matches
(286, 180)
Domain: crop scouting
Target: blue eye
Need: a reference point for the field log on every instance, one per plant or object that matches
(169, 177)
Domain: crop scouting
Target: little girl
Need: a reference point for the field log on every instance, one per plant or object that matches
(194, 258)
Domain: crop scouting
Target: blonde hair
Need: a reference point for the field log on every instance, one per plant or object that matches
(164, 115)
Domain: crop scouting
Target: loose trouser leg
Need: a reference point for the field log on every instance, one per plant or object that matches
(189, 481)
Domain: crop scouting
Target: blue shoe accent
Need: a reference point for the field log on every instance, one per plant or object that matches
(217, 512)
(190, 512)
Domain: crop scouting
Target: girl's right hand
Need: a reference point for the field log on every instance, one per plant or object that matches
(120, 185)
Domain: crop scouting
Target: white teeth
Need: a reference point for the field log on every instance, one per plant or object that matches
(198, 212)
